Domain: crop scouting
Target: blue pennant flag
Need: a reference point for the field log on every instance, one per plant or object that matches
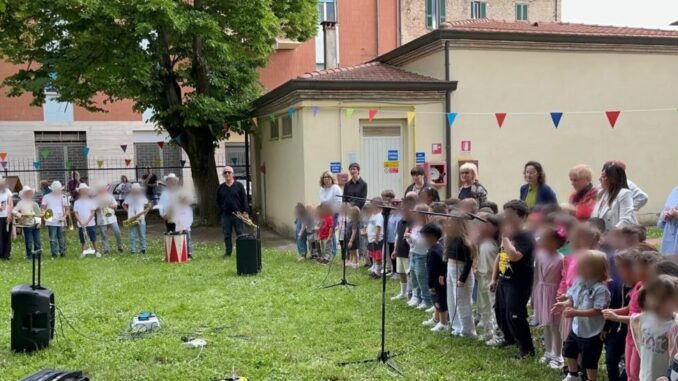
(183, 163)
(555, 117)
(36, 164)
(451, 117)
(177, 139)
(290, 111)
(85, 151)
(315, 109)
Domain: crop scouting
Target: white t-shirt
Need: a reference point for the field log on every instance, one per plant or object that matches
(83, 207)
(135, 205)
(27, 207)
(650, 336)
(329, 196)
(105, 201)
(57, 203)
(165, 202)
(182, 217)
(376, 220)
(4, 199)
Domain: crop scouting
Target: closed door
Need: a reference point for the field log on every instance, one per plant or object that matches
(382, 157)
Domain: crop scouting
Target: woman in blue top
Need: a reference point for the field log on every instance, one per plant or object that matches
(668, 220)
(536, 192)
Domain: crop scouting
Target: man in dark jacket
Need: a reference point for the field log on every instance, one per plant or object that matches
(355, 187)
(231, 198)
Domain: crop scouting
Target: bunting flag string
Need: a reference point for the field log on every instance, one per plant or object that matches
(410, 117)
(349, 112)
(128, 162)
(555, 117)
(290, 112)
(3, 156)
(451, 117)
(371, 113)
(183, 163)
(36, 164)
(314, 110)
(177, 139)
(157, 162)
(68, 164)
(501, 116)
(123, 147)
(612, 117)
(85, 151)
(4, 164)
(255, 122)
(44, 153)
(161, 144)
(100, 163)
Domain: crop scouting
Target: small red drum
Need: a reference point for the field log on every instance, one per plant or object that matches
(176, 248)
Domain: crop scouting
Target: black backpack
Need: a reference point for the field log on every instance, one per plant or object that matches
(56, 375)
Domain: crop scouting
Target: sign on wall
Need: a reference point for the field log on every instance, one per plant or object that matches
(436, 148)
(335, 167)
(392, 154)
(420, 157)
(466, 146)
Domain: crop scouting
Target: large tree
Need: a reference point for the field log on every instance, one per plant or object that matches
(194, 62)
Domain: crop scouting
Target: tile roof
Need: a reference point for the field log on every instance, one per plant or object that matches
(372, 71)
(488, 25)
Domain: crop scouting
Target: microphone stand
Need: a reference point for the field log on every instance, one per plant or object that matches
(344, 252)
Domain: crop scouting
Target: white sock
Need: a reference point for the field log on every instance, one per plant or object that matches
(403, 288)
(377, 269)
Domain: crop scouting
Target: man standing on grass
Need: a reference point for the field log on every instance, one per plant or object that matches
(231, 198)
(355, 187)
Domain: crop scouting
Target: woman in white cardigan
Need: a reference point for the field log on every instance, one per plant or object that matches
(329, 190)
(615, 201)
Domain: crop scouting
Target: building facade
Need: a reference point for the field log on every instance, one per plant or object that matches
(479, 70)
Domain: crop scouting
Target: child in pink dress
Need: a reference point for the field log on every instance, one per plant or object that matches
(548, 275)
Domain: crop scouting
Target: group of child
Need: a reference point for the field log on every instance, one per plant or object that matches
(93, 211)
(589, 289)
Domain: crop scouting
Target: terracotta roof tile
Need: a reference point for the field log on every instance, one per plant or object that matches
(373, 71)
(487, 25)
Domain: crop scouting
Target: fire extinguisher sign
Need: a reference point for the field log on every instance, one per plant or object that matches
(466, 146)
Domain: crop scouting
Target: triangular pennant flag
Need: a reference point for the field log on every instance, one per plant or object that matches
(239, 125)
(68, 164)
(123, 147)
(3, 156)
(4, 164)
(290, 112)
(44, 153)
(314, 110)
(156, 162)
(183, 162)
(349, 112)
(555, 117)
(226, 127)
(255, 122)
(410, 116)
(85, 151)
(161, 144)
(100, 163)
(371, 113)
(500, 118)
(128, 162)
(451, 117)
(612, 117)
(36, 164)
(177, 139)
(271, 117)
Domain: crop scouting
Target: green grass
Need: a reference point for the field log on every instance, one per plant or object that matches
(274, 326)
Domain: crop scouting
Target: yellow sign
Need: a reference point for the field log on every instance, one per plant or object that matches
(391, 164)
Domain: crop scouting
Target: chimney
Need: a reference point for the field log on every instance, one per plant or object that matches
(330, 40)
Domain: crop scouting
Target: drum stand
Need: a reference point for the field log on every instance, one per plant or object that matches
(344, 254)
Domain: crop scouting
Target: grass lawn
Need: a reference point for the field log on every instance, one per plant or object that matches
(274, 326)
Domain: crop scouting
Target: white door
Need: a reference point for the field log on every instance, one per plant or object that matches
(382, 159)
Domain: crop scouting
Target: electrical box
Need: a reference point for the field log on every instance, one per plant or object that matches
(435, 172)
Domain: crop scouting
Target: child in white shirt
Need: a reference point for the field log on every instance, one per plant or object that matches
(182, 218)
(84, 209)
(27, 214)
(375, 227)
(106, 219)
(136, 203)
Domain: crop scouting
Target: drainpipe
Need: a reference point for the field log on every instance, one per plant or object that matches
(398, 26)
(377, 23)
(448, 130)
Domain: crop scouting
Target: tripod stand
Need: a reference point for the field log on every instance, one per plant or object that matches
(384, 356)
(344, 252)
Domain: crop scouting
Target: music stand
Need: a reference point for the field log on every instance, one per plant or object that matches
(344, 252)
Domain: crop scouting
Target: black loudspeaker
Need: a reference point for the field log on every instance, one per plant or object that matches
(32, 318)
(56, 375)
(248, 255)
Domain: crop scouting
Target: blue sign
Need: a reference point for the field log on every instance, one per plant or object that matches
(335, 167)
(393, 155)
(420, 157)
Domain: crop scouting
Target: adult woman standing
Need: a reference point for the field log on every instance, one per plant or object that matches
(6, 205)
(615, 201)
(330, 195)
(536, 192)
(668, 220)
(418, 181)
(584, 197)
(470, 186)
(72, 185)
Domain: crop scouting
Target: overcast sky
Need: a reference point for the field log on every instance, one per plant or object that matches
(638, 13)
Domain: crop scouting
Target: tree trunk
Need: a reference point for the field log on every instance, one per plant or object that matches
(205, 179)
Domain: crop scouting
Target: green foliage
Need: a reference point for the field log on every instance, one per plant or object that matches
(193, 62)
(277, 325)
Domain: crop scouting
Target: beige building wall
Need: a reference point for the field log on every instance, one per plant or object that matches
(413, 13)
(294, 165)
(541, 81)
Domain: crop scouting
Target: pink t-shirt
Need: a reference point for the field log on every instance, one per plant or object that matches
(569, 273)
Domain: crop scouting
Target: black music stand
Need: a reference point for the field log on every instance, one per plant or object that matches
(344, 254)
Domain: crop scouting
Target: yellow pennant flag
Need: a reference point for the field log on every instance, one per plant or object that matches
(255, 122)
(410, 116)
(100, 163)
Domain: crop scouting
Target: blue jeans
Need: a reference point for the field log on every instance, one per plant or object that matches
(57, 244)
(32, 240)
(91, 234)
(103, 229)
(137, 232)
(420, 277)
(300, 238)
(228, 224)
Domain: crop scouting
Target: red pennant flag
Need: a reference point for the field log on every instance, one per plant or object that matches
(500, 118)
(3, 156)
(371, 114)
(612, 117)
(161, 144)
(128, 162)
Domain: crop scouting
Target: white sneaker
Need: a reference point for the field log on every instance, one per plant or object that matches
(431, 310)
(413, 302)
(430, 322)
(495, 341)
(557, 363)
(570, 377)
(423, 306)
(546, 358)
(455, 333)
(440, 327)
(399, 296)
(485, 337)
(97, 254)
(480, 324)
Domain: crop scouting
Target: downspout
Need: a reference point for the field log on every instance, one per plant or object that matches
(448, 130)
(556, 11)
(377, 5)
(398, 26)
